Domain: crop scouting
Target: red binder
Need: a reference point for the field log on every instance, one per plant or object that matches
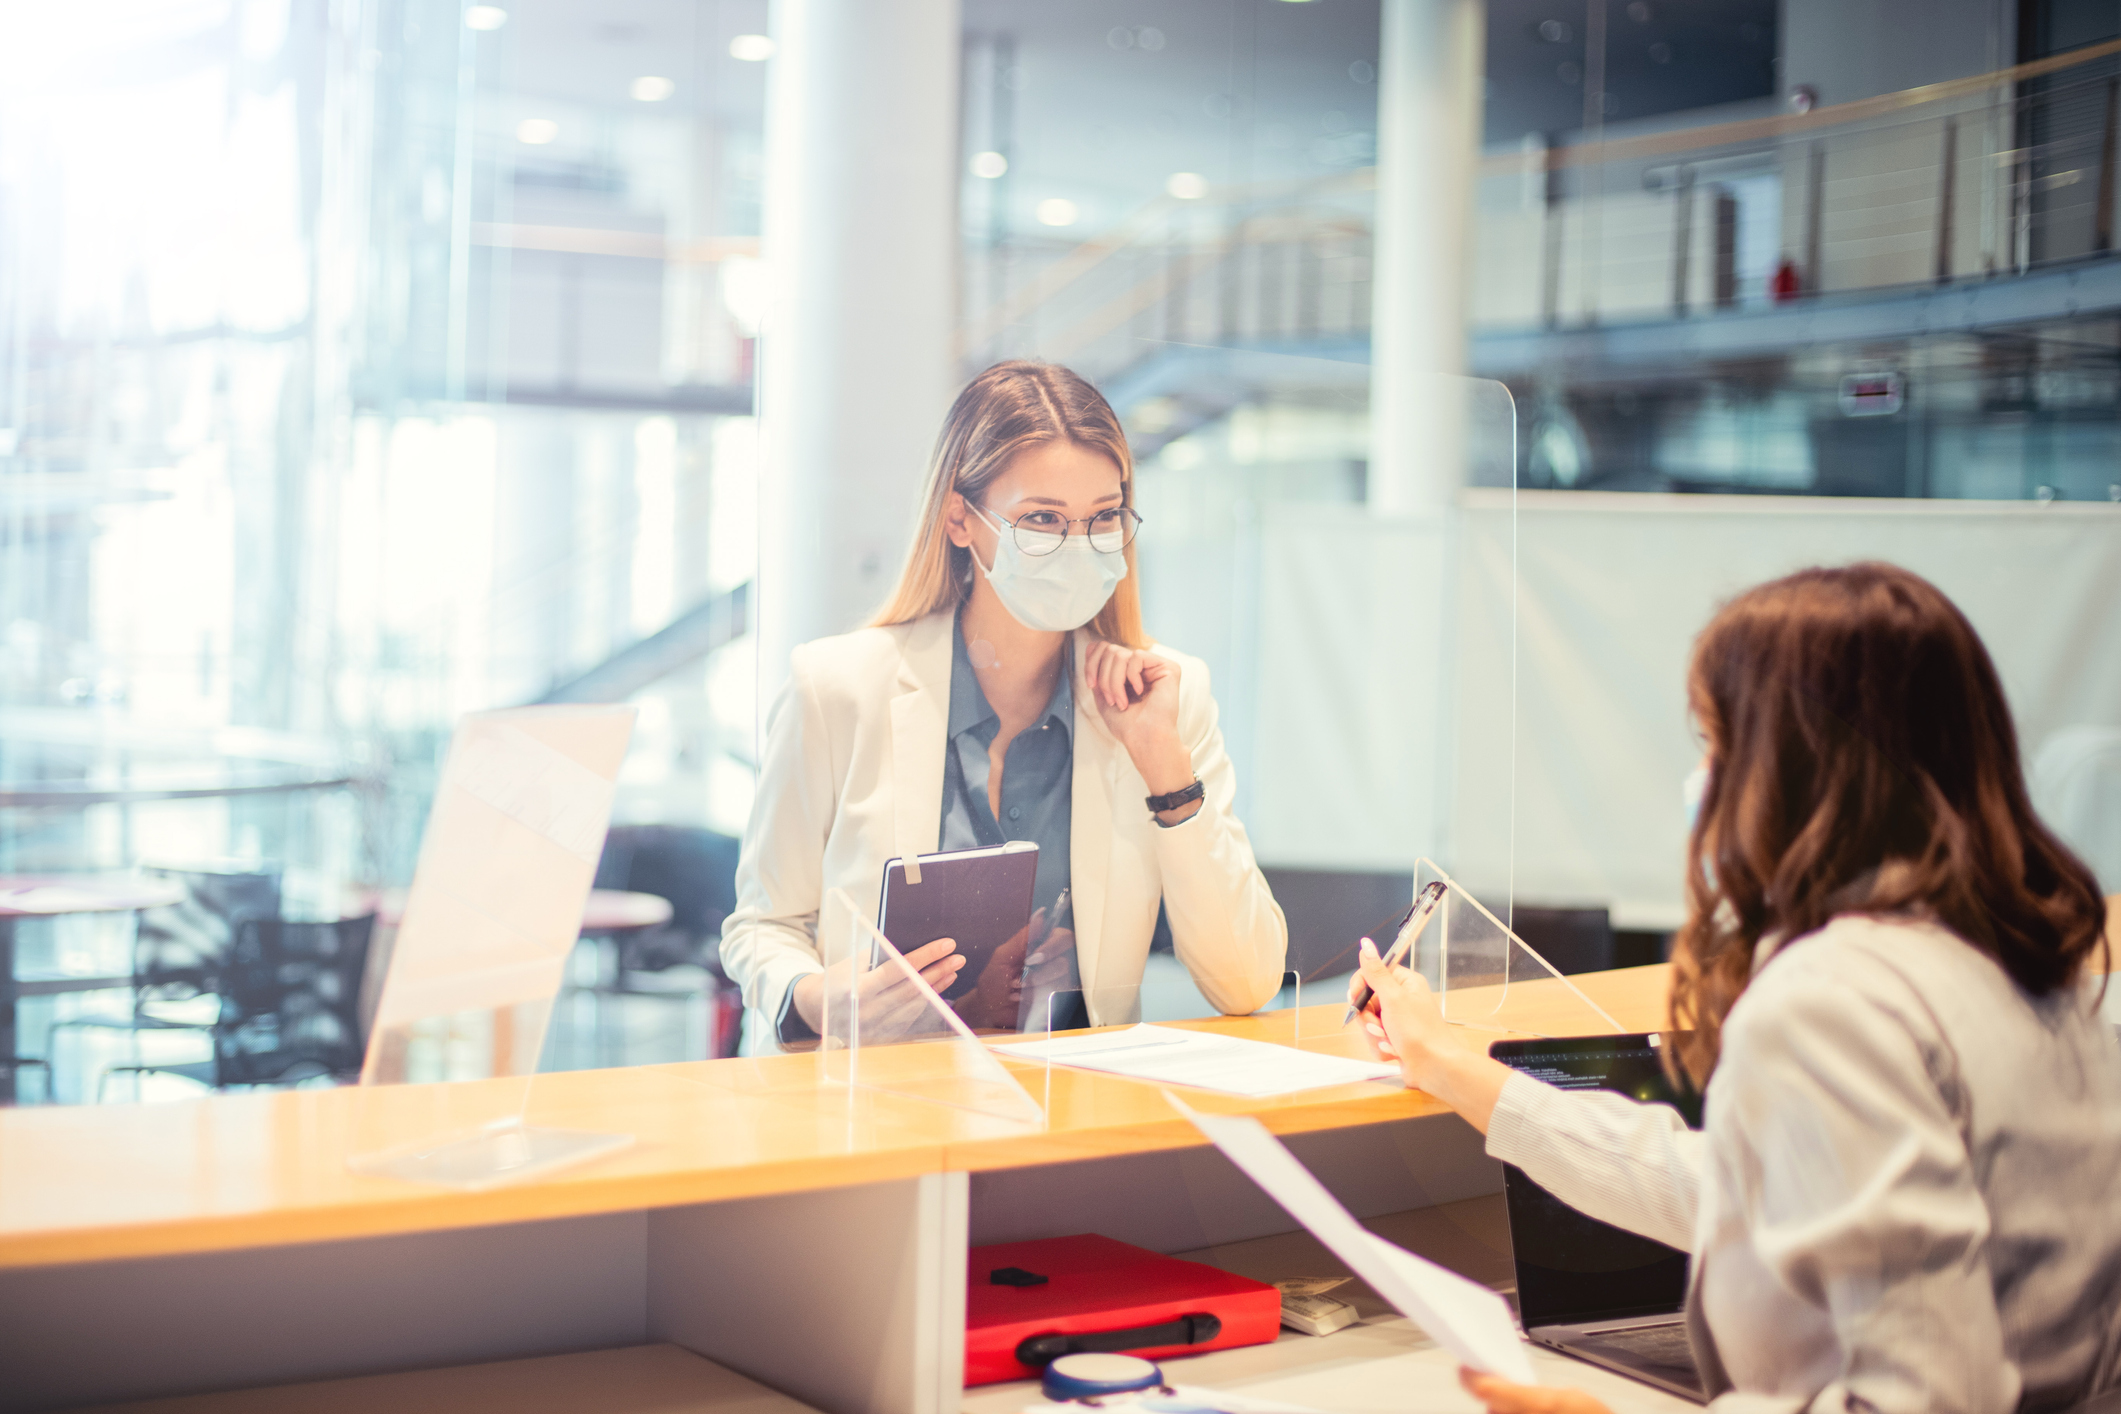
(1029, 1302)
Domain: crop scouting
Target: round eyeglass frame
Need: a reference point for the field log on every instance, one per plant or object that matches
(1035, 541)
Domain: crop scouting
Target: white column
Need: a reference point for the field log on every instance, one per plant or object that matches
(860, 238)
(1428, 150)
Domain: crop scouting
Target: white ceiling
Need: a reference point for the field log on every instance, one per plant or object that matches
(1234, 90)
(588, 53)
(1241, 90)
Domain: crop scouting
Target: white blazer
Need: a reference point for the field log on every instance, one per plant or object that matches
(852, 776)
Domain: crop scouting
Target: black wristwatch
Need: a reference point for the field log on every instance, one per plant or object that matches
(1158, 804)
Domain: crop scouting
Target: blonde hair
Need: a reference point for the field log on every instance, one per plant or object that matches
(1006, 410)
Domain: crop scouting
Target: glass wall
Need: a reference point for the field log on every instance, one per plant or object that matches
(361, 366)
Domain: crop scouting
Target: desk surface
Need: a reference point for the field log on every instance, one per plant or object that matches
(44, 895)
(267, 1169)
(604, 911)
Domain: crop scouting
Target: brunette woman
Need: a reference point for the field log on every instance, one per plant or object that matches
(1903, 1198)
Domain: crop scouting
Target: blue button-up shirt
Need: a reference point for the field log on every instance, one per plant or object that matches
(1037, 804)
(1038, 776)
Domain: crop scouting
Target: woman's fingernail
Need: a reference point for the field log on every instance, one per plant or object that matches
(1369, 949)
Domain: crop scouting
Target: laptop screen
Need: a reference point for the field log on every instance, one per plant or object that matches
(1573, 1269)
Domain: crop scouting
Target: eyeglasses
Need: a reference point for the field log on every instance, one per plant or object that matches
(1043, 532)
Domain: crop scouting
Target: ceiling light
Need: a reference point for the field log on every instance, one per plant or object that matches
(485, 17)
(1187, 186)
(751, 48)
(988, 164)
(1056, 211)
(651, 89)
(537, 131)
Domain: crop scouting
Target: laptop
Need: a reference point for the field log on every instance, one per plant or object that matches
(1587, 1288)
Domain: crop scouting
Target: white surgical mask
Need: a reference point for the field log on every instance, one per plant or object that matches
(1691, 792)
(1051, 593)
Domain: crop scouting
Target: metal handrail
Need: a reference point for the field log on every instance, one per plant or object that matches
(1089, 256)
(63, 797)
(1781, 125)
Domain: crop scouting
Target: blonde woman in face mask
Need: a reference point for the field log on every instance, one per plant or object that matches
(1006, 692)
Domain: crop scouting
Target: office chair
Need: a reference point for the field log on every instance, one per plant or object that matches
(290, 995)
(178, 951)
(695, 870)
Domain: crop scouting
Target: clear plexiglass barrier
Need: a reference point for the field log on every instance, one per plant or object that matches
(1488, 978)
(1344, 575)
(886, 1029)
(1484, 976)
(505, 866)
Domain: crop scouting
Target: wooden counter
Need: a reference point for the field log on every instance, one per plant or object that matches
(755, 1203)
(249, 1170)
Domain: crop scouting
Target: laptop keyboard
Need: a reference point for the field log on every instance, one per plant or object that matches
(1664, 1347)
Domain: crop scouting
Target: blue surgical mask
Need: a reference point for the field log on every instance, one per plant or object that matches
(1051, 593)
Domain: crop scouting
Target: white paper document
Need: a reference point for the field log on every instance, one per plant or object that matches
(1170, 1056)
(1462, 1316)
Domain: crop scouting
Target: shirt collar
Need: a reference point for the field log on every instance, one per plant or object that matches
(969, 708)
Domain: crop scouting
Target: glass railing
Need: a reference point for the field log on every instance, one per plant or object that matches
(1997, 174)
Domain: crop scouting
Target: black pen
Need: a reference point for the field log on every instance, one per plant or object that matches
(1417, 919)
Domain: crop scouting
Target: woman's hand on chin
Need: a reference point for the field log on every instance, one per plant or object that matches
(1136, 691)
(1137, 699)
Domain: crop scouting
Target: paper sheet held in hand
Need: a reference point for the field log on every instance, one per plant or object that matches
(1170, 1056)
(1462, 1316)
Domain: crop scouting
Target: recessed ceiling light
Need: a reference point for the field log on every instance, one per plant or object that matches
(537, 131)
(652, 89)
(485, 17)
(1187, 186)
(988, 164)
(1056, 211)
(751, 48)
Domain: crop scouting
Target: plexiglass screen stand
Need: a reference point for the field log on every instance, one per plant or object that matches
(1489, 979)
(496, 905)
(885, 1028)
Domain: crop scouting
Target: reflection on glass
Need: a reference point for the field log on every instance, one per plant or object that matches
(354, 377)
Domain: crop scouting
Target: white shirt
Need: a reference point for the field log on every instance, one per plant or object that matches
(1906, 1195)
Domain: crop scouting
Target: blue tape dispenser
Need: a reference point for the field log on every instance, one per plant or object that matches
(1092, 1376)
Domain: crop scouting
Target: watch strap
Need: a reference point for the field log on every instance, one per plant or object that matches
(1158, 804)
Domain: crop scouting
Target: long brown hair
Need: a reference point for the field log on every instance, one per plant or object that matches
(1862, 760)
(1006, 410)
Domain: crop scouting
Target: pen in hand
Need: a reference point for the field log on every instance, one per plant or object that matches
(1417, 919)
